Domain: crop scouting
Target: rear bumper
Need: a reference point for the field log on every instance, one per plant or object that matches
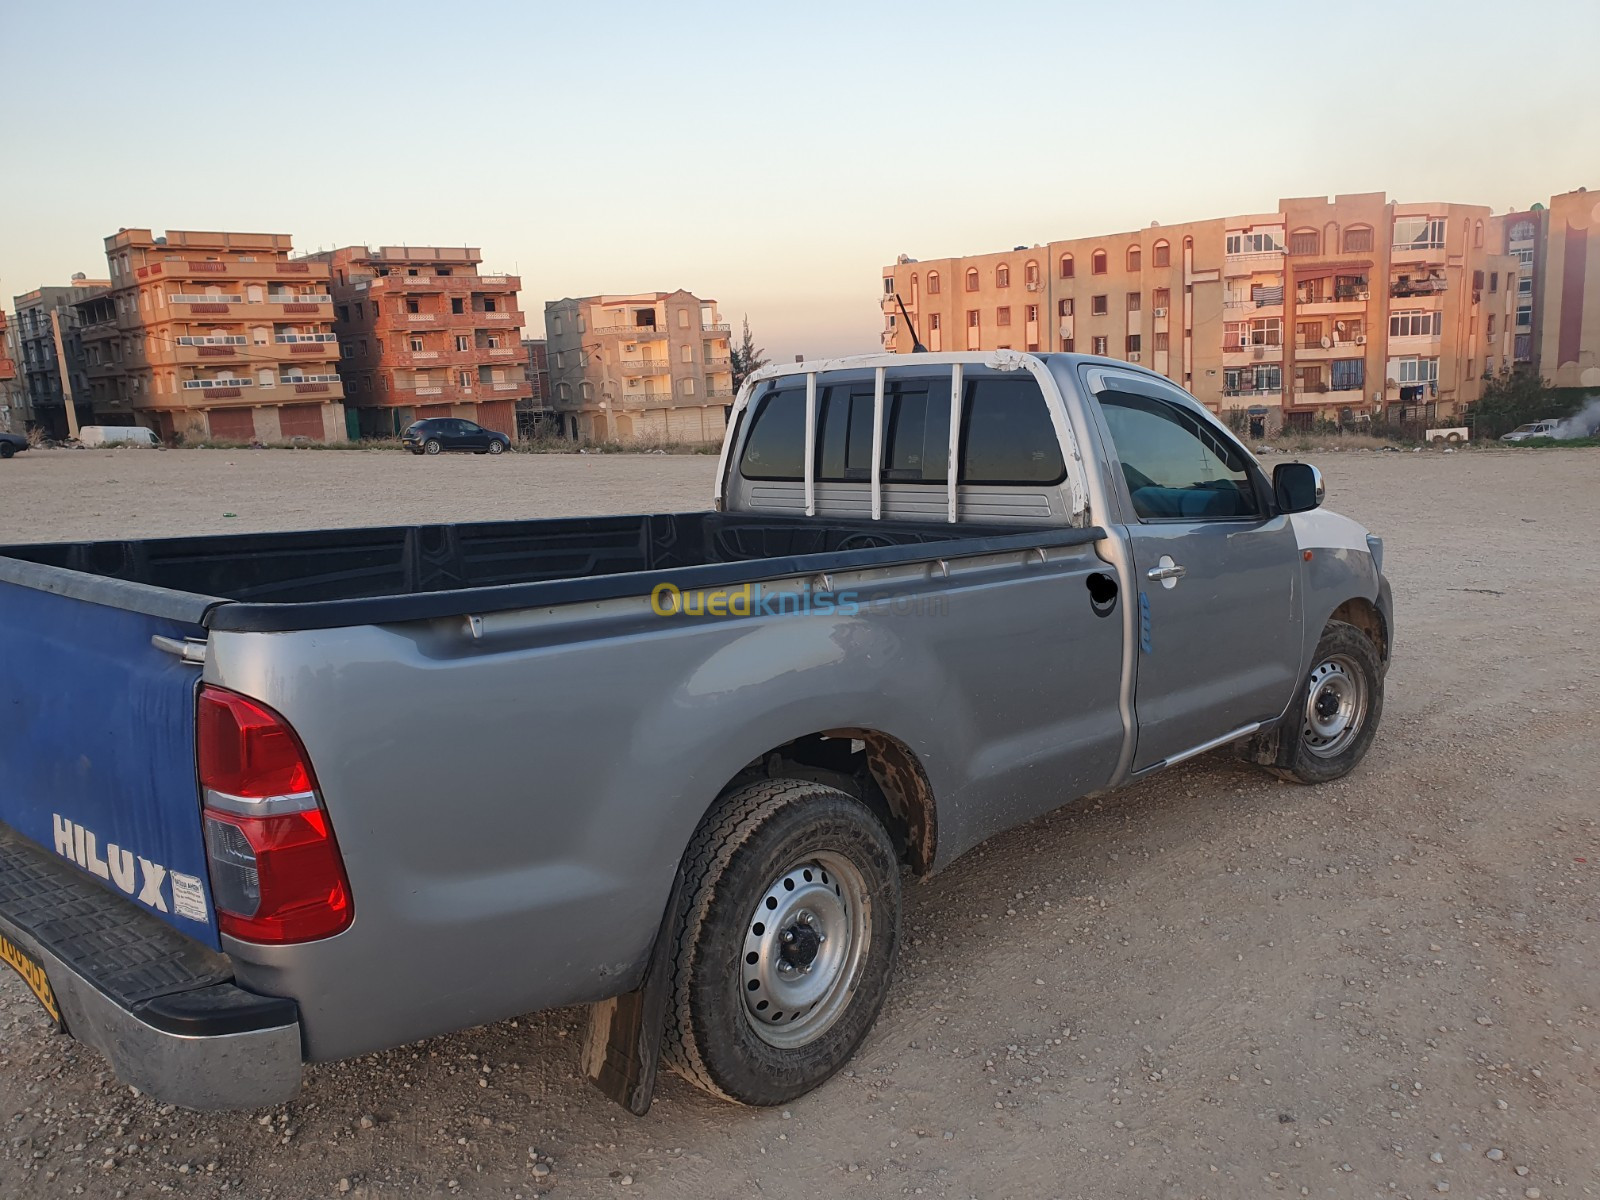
(161, 1009)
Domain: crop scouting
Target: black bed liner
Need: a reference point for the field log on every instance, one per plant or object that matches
(326, 578)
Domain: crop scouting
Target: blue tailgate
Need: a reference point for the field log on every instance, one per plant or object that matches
(97, 756)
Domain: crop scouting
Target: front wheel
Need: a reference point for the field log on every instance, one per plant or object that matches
(497, 447)
(1335, 716)
(788, 944)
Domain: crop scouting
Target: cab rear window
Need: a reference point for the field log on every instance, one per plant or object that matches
(1007, 437)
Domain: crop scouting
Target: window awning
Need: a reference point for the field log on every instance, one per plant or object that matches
(1324, 270)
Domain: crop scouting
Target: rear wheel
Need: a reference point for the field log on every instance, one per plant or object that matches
(432, 446)
(1334, 719)
(788, 945)
(7, 449)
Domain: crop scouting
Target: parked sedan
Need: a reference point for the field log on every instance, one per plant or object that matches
(438, 434)
(12, 443)
(1533, 429)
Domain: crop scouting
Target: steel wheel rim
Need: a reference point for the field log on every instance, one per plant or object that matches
(1336, 706)
(803, 949)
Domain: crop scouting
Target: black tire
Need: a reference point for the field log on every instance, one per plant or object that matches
(747, 850)
(497, 447)
(432, 446)
(1304, 756)
(7, 449)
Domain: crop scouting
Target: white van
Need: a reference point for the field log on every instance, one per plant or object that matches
(117, 435)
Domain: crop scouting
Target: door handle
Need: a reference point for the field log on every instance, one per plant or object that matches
(1169, 572)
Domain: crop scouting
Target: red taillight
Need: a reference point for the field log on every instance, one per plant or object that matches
(276, 873)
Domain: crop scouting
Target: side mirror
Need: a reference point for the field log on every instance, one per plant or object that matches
(1297, 487)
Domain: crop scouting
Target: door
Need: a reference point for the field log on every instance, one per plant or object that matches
(473, 437)
(1217, 572)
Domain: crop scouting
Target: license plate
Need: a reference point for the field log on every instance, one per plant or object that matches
(32, 972)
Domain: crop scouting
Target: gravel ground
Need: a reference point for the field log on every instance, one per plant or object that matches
(1211, 984)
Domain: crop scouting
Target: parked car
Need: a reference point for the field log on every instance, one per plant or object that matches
(435, 435)
(12, 443)
(117, 435)
(1533, 429)
(1002, 582)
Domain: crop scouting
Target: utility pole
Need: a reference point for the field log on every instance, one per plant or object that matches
(66, 375)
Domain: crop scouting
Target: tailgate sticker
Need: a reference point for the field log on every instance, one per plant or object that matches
(149, 885)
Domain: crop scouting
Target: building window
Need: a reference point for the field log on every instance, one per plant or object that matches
(686, 354)
(688, 387)
(489, 304)
(1033, 313)
(1030, 274)
(1305, 241)
(888, 285)
(1264, 242)
(457, 304)
(1097, 264)
(1419, 233)
(1099, 346)
(1417, 370)
(1099, 306)
(1161, 254)
(1477, 233)
(1161, 342)
(1066, 266)
(1349, 374)
(1134, 257)
(1414, 323)
(464, 379)
(1160, 300)
(412, 306)
(347, 350)
(1064, 307)
(1002, 315)
(972, 279)
(1002, 276)
(933, 322)
(1525, 286)
(1133, 301)
(416, 342)
(463, 342)
(1066, 345)
(1489, 327)
(1133, 343)
(972, 318)
(1524, 316)
(1494, 282)
(933, 283)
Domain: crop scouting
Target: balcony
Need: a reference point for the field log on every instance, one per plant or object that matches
(1238, 356)
(722, 327)
(216, 385)
(645, 366)
(212, 340)
(455, 284)
(718, 394)
(266, 268)
(632, 333)
(500, 351)
(1246, 264)
(715, 363)
(1412, 288)
(289, 339)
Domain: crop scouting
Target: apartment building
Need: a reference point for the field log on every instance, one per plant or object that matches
(45, 317)
(1568, 314)
(1322, 309)
(1524, 235)
(655, 366)
(215, 336)
(424, 334)
(11, 418)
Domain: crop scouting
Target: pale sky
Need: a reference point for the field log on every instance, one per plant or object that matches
(773, 158)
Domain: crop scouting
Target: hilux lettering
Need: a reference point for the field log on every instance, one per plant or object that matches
(149, 885)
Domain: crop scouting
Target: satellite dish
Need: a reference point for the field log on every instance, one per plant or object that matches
(1327, 343)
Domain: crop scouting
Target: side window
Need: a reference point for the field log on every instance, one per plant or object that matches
(776, 447)
(1176, 466)
(1006, 434)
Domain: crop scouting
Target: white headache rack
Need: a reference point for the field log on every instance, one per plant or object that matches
(917, 364)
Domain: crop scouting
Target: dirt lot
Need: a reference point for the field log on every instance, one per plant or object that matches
(1210, 985)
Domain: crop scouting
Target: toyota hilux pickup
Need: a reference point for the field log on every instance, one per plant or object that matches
(270, 799)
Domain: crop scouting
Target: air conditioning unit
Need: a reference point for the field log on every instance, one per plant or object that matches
(1363, 295)
(1035, 287)
(1133, 356)
(1159, 313)
(1361, 339)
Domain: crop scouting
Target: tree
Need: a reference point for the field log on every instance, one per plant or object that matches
(1512, 398)
(748, 358)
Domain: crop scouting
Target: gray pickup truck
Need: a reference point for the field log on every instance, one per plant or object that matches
(276, 798)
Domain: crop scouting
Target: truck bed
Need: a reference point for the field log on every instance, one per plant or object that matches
(337, 577)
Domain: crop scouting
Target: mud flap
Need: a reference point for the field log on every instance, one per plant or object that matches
(622, 1049)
